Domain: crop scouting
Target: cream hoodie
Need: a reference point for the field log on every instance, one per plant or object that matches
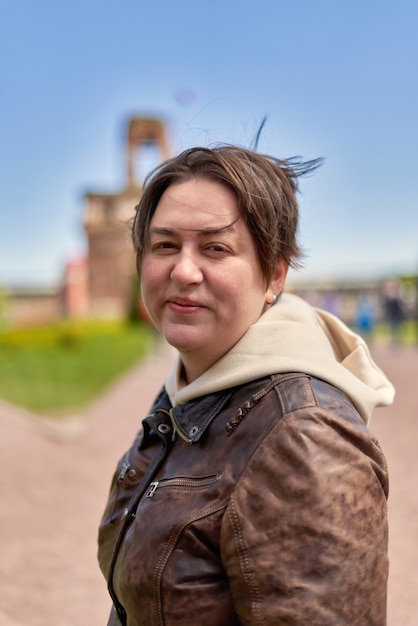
(293, 336)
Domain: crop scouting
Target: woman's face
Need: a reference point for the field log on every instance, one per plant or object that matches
(201, 278)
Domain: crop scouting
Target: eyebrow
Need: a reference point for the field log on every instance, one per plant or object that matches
(161, 230)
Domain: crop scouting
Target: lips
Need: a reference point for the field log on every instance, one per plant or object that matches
(184, 305)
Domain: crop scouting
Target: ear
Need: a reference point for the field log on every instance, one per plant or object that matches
(277, 281)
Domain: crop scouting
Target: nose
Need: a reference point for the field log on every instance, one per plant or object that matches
(186, 269)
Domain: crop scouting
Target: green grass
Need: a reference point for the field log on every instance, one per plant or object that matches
(59, 369)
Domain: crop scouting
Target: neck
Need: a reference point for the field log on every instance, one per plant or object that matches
(193, 366)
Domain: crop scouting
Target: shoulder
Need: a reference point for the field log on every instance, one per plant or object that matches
(310, 421)
(296, 395)
(298, 391)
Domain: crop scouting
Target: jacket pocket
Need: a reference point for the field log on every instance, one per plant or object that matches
(183, 483)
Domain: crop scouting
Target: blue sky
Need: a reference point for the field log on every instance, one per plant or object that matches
(336, 79)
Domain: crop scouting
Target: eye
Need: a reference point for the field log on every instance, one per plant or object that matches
(163, 246)
(217, 248)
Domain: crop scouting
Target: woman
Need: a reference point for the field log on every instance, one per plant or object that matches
(254, 493)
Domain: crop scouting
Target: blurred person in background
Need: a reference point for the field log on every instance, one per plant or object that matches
(366, 316)
(254, 492)
(394, 309)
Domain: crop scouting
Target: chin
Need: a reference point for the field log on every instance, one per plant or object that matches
(183, 342)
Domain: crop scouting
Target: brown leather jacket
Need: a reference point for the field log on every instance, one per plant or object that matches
(262, 505)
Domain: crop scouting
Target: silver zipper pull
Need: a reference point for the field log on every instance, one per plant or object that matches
(152, 488)
(125, 468)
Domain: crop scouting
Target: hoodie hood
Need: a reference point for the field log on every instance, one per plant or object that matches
(293, 336)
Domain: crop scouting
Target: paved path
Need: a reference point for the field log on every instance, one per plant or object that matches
(54, 483)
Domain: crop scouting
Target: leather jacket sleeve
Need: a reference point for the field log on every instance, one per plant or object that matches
(295, 538)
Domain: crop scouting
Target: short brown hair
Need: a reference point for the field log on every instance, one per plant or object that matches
(265, 188)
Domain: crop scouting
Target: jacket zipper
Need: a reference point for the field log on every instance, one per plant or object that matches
(176, 428)
(182, 482)
(126, 466)
(153, 467)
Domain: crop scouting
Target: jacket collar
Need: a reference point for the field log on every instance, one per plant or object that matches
(188, 421)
